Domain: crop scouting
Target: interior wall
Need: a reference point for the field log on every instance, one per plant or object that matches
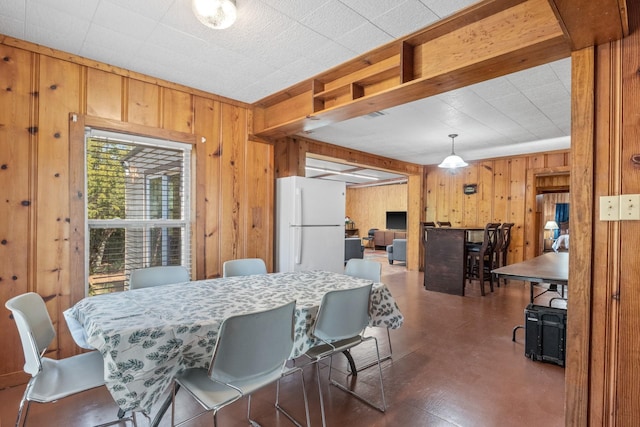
(367, 206)
(500, 197)
(233, 186)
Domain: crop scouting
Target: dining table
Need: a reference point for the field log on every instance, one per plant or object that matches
(148, 336)
(550, 267)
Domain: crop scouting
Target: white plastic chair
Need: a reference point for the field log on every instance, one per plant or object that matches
(156, 276)
(243, 267)
(342, 319)
(369, 270)
(51, 379)
(251, 352)
(364, 269)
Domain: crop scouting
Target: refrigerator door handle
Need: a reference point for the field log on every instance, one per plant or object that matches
(297, 245)
(297, 208)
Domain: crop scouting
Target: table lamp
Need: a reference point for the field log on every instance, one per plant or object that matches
(551, 225)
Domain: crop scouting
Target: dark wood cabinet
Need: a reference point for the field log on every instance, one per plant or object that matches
(445, 259)
(383, 238)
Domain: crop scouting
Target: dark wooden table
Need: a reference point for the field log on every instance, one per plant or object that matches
(551, 267)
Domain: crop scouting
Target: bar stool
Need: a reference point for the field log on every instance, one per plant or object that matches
(482, 259)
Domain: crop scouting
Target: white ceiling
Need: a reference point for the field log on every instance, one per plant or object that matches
(277, 43)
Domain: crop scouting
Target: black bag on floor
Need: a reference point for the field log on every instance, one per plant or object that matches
(545, 333)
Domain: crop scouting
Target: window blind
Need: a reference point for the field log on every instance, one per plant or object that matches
(138, 210)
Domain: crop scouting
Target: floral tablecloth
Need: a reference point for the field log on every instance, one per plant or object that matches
(148, 335)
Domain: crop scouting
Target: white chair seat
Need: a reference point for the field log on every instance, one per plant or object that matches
(214, 394)
(62, 378)
(323, 350)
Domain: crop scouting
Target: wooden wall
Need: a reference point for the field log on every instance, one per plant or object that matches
(233, 206)
(367, 206)
(502, 196)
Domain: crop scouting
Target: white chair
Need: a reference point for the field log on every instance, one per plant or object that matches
(51, 379)
(156, 276)
(342, 319)
(243, 267)
(369, 270)
(251, 352)
(364, 269)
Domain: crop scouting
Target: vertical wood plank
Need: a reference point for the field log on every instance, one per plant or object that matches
(485, 192)
(17, 103)
(59, 91)
(77, 219)
(580, 262)
(414, 207)
(210, 154)
(177, 110)
(501, 190)
(517, 187)
(104, 94)
(232, 221)
(143, 103)
(456, 198)
(628, 405)
(470, 215)
(259, 188)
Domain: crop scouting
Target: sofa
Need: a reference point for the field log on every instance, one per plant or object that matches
(353, 248)
(397, 251)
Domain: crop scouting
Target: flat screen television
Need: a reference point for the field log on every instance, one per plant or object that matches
(396, 220)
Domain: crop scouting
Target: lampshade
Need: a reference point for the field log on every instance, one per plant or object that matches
(217, 14)
(453, 161)
(551, 225)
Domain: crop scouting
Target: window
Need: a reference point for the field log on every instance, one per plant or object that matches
(137, 206)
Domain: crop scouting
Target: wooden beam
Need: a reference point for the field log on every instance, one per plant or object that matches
(591, 23)
(488, 40)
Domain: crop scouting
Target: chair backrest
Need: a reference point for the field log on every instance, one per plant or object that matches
(490, 241)
(156, 276)
(444, 223)
(364, 269)
(372, 232)
(34, 326)
(504, 236)
(343, 313)
(243, 267)
(429, 224)
(252, 344)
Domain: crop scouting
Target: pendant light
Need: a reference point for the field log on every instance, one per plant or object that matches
(453, 161)
(216, 14)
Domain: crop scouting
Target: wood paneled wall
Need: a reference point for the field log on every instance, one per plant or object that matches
(233, 208)
(367, 206)
(502, 194)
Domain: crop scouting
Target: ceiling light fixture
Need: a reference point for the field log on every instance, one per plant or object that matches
(216, 14)
(453, 161)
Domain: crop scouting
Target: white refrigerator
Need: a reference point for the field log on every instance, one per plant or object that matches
(309, 224)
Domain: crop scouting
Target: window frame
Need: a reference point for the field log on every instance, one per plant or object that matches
(78, 263)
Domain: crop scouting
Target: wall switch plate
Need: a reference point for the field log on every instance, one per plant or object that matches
(630, 207)
(609, 208)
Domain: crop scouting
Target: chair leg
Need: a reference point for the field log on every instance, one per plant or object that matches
(387, 357)
(304, 396)
(381, 408)
(22, 402)
(324, 421)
